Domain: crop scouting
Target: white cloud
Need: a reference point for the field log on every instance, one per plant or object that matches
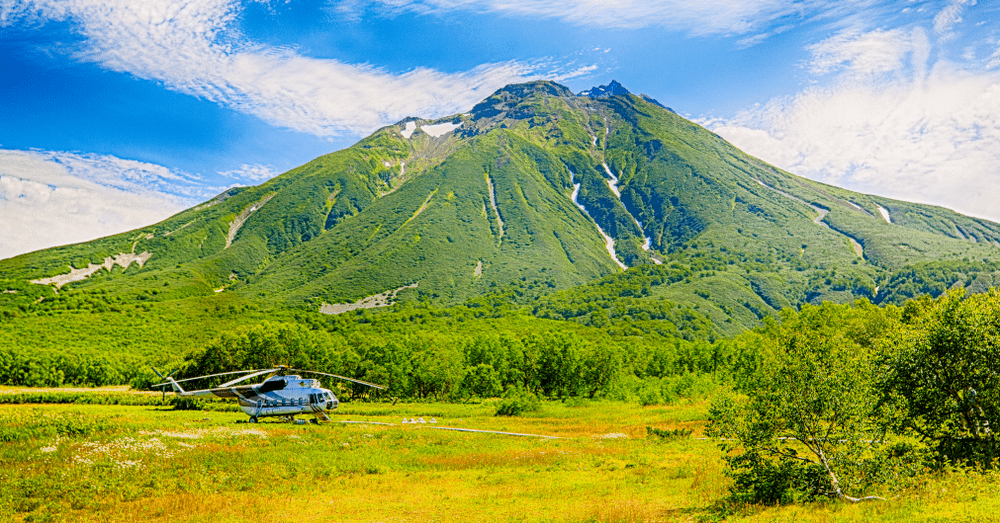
(698, 17)
(251, 173)
(195, 47)
(56, 198)
(949, 17)
(889, 121)
(933, 140)
(875, 52)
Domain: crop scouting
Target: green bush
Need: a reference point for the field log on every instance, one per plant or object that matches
(518, 402)
(667, 435)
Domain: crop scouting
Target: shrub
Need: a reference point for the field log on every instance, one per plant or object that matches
(518, 402)
(667, 435)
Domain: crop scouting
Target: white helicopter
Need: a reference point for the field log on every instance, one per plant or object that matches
(280, 394)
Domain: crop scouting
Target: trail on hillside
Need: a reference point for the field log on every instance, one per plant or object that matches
(421, 209)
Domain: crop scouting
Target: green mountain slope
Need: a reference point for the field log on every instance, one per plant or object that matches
(519, 194)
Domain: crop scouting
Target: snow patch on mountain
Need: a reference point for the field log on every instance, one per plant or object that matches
(609, 242)
(613, 184)
(440, 129)
(885, 214)
(408, 131)
(123, 259)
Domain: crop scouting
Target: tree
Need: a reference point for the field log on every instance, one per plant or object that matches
(803, 421)
(259, 347)
(944, 374)
(482, 381)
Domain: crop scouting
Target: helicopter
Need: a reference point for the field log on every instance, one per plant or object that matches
(280, 394)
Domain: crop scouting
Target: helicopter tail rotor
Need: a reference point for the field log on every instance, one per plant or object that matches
(169, 381)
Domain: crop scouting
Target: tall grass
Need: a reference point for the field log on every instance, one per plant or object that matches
(144, 463)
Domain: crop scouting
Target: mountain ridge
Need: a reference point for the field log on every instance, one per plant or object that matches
(536, 188)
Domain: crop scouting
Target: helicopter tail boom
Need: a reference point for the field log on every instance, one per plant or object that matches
(170, 381)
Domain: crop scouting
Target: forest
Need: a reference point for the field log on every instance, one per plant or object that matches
(849, 401)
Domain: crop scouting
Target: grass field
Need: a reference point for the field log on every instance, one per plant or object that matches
(148, 463)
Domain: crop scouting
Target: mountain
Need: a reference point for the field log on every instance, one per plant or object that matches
(616, 89)
(535, 195)
(606, 91)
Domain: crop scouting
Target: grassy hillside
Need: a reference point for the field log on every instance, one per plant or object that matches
(490, 212)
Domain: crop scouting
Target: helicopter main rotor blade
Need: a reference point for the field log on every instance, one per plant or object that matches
(365, 383)
(248, 376)
(208, 376)
(273, 370)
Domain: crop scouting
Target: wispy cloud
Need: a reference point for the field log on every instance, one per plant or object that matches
(950, 16)
(874, 52)
(697, 17)
(890, 124)
(196, 48)
(54, 198)
(247, 173)
(889, 119)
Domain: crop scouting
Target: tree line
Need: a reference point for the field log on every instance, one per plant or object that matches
(433, 365)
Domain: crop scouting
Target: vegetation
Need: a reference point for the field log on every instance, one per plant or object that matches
(121, 463)
(486, 210)
(841, 354)
(842, 401)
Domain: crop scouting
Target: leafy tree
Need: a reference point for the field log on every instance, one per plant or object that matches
(483, 381)
(805, 420)
(259, 347)
(944, 373)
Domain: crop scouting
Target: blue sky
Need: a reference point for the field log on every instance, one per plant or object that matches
(117, 113)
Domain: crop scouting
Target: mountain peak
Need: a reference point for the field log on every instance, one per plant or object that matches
(605, 91)
(522, 90)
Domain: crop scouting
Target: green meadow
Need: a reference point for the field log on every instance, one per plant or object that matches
(584, 460)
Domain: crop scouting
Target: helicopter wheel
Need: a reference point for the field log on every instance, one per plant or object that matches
(253, 419)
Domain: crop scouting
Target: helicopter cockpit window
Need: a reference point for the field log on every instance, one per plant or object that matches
(268, 386)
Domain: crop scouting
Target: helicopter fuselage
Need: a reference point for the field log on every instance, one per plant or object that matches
(280, 394)
(287, 395)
